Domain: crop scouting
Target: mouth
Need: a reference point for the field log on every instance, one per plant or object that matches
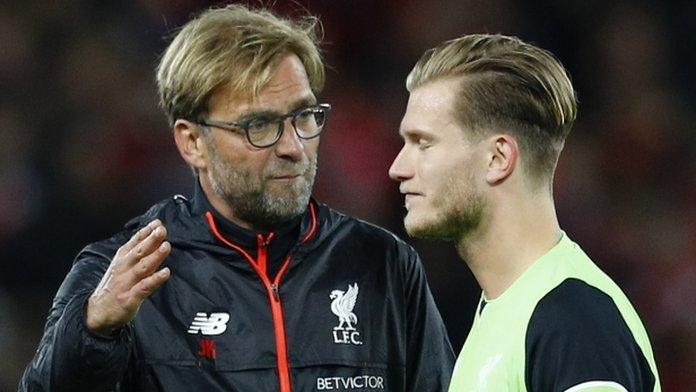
(287, 177)
(409, 198)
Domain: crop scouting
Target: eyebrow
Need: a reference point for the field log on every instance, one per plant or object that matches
(297, 104)
(410, 133)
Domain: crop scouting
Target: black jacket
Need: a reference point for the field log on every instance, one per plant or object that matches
(346, 307)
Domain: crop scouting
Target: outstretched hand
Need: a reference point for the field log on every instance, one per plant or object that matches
(131, 277)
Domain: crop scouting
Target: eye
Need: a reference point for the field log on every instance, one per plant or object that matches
(423, 143)
(304, 114)
(258, 125)
(304, 117)
(419, 140)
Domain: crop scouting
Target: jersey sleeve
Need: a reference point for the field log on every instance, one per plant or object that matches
(577, 340)
(430, 358)
(70, 357)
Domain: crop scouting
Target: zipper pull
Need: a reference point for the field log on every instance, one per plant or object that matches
(274, 289)
(264, 242)
(268, 239)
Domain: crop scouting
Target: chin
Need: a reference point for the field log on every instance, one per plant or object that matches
(416, 227)
(427, 228)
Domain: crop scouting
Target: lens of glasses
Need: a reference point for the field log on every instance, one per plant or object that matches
(263, 132)
(309, 122)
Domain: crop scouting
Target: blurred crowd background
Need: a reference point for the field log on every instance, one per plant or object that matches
(84, 147)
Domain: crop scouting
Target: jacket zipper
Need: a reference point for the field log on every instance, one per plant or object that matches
(276, 310)
(272, 289)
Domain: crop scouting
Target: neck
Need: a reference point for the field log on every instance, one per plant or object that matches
(514, 234)
(222, 207)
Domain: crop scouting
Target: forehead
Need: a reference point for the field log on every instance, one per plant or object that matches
(430, 106)
(287, 86)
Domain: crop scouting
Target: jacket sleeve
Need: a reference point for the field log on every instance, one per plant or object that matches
(430, 358)
(69, 357)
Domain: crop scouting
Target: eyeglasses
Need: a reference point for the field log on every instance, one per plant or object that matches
(262, 132)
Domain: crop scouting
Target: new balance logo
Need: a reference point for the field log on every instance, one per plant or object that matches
(213, 325)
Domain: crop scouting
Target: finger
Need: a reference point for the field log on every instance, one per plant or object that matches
(139, 236)
(147, 265)
(146, 246)
(148, 285)
(104, 283)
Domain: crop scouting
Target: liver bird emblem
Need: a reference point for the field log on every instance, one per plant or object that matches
(342, 306)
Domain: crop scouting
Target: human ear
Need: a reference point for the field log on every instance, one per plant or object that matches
(191, 144)
(503, 153)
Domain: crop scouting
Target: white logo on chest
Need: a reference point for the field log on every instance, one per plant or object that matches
(213, 325)
(487, 368)
(342, 306)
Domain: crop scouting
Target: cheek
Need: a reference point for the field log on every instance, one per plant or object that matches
(310, 148)
(436, 176)
(249, 164)
(224, 150)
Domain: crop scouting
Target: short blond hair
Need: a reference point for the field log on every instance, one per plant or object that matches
(234, 46)
(509, 85)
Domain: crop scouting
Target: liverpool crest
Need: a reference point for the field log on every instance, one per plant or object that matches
(342, 305)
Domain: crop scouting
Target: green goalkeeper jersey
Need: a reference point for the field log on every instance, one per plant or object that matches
(563, 325)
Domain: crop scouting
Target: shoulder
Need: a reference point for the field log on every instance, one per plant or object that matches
(169, 210)
(575, 301)
(368, 242)
(93, 260)
(166, 210)
(342, 224)
(576, 333)
(578, 313)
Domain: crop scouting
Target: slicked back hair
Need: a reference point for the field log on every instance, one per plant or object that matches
(506, 85)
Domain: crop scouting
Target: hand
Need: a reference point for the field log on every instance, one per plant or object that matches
(131, 278)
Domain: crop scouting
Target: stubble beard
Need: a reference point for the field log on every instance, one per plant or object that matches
(251, 199)
(459, 211)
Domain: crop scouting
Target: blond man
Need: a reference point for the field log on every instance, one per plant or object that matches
(251, 285)
(486, 120)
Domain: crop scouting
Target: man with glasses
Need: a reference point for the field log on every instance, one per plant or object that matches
(252, 285)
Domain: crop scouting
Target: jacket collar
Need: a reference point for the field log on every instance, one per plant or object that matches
(297, 231)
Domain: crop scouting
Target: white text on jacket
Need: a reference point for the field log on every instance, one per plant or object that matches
(346, 383)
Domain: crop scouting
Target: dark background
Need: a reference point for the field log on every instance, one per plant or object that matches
(83, 146)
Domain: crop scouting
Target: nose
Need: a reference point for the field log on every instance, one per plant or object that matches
(400, 169)
(289, 146)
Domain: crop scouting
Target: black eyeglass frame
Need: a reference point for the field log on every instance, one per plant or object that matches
(244, 124)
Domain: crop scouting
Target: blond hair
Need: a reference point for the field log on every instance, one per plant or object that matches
(506, 85)
(235, 47)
